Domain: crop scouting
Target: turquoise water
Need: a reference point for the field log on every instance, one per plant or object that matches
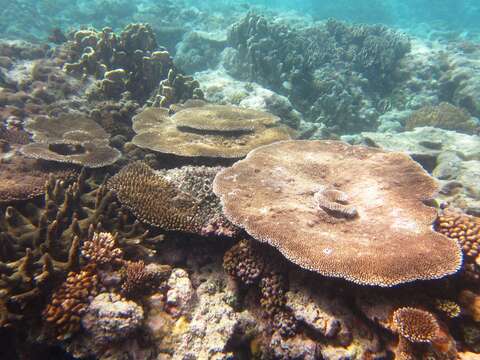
(236, 180)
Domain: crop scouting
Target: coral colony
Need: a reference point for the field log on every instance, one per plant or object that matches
(235, 180)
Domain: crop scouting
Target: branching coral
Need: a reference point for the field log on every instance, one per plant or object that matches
(271, 194)
(102, 249)
(138, 278)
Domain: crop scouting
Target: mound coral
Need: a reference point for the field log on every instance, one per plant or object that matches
(218, 131)
(70, 138)
(271, 194)
(177, 199)
(445, 116)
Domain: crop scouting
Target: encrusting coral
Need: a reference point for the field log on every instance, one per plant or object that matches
(445, 116)
(177, 199)
(271, 194)
(218, 131)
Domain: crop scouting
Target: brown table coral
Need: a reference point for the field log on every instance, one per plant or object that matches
(339, 210)
(219, 131)
(70, 138)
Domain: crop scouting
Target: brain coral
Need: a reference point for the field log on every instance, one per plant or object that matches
(385, 238)
(210, 130)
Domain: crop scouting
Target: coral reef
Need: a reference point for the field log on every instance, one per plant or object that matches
(101, 249)
(272, 198)
(218, 131)
(170, 203)
(453, 158)
(416, 325)
(300, 64)
(241, 262)
(444, 116)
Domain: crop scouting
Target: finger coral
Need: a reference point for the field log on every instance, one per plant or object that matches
(219, 131)
(271, 194)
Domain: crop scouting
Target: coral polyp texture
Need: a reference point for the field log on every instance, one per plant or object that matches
(416, 325)
(102, 249)
(241, 262)
(166, 201)
(271, 194)
(218, 131)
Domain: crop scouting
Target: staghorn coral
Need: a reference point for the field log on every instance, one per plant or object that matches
(102, 249)
(416, 325)
(271, 195)
(242, 262)
(445, 116)
(218, 131)
(69, 302)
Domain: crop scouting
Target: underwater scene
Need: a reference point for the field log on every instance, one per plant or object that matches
(252, 179)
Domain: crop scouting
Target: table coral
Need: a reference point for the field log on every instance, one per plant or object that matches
(218, 131)
(271, 194)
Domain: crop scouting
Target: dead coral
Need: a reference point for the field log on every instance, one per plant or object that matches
(69, 302)
(218, 131)
(271, 195)
(445, 116)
